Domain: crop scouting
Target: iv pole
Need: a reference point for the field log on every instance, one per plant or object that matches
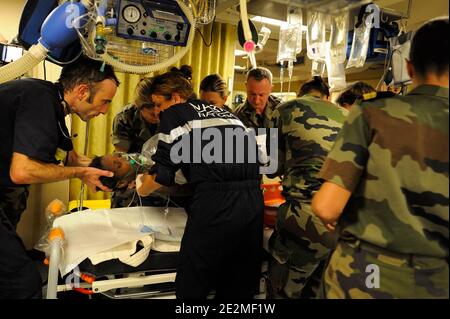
(86, 145)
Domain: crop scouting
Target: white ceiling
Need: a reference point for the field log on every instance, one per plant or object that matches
(420, 11)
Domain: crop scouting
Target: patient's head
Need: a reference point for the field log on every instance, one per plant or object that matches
(354, 93)
(120, 166)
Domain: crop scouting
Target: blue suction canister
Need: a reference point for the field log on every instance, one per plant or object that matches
(58, 30)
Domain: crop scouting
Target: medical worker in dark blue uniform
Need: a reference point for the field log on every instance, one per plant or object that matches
(222, 244)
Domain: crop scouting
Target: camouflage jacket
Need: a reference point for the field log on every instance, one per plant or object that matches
(247, 114)
(130, 131)
(307, 128)
(392, 154)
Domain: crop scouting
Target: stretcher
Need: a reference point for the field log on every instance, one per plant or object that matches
(77, 240)
(153, 278)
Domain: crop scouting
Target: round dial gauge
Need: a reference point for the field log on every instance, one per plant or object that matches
(131, 14)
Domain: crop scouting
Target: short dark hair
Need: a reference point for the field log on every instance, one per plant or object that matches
(110, 182)
(260, 74)
(316, 84)
(429, 48)
(214, 83)
(353, 93)
(86, 71)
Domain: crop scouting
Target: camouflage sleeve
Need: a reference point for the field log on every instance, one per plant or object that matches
(276, 123)
(241, 116)
(121, 132)
(347, 159)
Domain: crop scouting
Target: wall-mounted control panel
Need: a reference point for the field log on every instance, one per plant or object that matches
(160, 21)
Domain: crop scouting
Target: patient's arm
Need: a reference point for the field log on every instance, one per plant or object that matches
(145, 184)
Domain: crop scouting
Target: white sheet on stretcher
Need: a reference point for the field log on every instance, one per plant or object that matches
(93, 231)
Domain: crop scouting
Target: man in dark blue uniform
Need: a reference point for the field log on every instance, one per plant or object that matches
(32, 134)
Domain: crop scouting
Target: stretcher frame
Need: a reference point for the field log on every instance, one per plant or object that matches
(136, 280)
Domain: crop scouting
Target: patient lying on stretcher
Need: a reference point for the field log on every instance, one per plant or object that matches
(127, 168)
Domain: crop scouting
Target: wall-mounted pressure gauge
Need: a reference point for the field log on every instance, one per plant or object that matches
(131, 14)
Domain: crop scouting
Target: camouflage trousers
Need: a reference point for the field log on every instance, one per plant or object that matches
(13, 200)
(300, 247)
(363, 271)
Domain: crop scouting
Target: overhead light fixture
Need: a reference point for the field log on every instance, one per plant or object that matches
(274, 22)
(239, 68)
(269, 21)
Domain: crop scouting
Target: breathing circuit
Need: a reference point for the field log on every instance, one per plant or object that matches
(139, 163)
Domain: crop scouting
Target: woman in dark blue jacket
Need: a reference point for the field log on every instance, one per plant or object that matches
(222, 244)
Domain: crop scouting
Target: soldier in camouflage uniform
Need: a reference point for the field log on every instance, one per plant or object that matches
(131, 130)
(132, 127)
(301, 243)
(258, 109)
(387, 180)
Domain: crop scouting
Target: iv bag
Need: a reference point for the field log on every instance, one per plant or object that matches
(287, 45)
(336, 75)
(318, 68)
(295, 18)
(401, 46)
(315, 38)
(360, 46)
(336, 72)
(338, 39)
